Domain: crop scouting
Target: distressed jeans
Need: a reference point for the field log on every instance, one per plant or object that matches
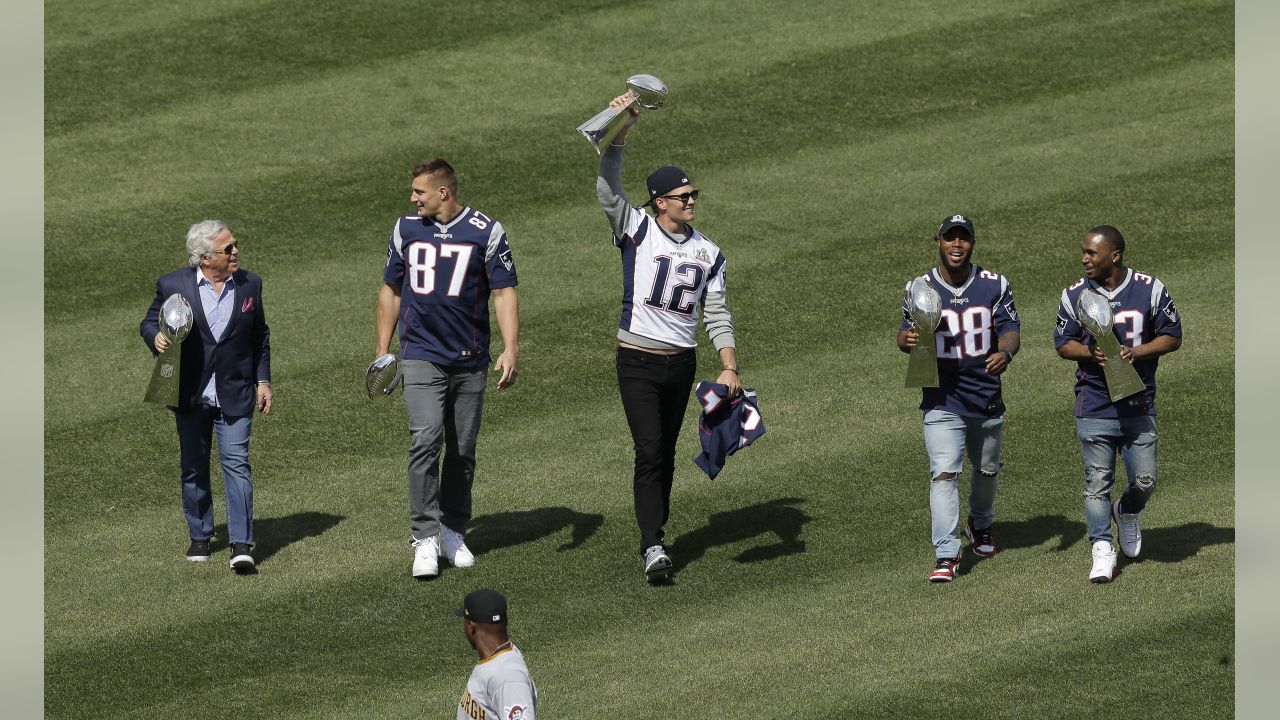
(1135, 439)
(947, 437)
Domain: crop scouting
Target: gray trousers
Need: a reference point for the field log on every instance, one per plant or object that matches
(444, 405)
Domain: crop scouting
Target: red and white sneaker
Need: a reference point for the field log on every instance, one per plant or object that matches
(945, 570)
(980, 541)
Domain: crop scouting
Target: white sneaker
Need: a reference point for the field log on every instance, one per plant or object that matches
(1129, 532)
(657, 564)
(1104, 562)
(453, 549)
(425, 556)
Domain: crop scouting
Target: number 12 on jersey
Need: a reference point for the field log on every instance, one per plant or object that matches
(691, 273)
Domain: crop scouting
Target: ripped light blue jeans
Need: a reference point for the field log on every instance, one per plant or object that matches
(947, 437)
(1135, 439)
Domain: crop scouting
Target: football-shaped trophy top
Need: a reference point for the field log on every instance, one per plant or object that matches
(1094, 313)
(652, 92)
(176, 318)
(926, 304)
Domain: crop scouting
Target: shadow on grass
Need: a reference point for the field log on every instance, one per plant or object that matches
(726, 528)
(1032, 532)
(1175, 544)
(499, 530)
(271, 535)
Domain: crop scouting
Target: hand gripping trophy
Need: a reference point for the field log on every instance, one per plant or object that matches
(651, 93)
(1095, 315)
(926, 313)
(175, 323)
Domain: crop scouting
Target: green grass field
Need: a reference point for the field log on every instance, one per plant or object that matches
(829, 138)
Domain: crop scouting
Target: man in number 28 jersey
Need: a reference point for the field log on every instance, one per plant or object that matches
(977, 338)
(442, 264)
(1148, 326)
(669, 272)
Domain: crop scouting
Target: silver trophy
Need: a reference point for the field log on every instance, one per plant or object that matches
(175, 323)
(383, 376)
(926, 312)
(1094, 312)
(651, 93)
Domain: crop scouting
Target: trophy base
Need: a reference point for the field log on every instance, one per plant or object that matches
(163, 388)
(922, 367)
(1122, 379)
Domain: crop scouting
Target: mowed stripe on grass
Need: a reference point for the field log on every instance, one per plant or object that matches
(851, 130)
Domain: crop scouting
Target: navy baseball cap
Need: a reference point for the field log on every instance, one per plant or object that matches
(484, 606)
(955, 221)
(664, 180)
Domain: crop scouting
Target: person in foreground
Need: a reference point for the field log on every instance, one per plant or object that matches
(442, 263)
(976, 340)
(669, 270)
(1148, 326)
(225, 374)
(500, 686)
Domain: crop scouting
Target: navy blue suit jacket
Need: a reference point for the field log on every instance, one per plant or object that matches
(241, 359)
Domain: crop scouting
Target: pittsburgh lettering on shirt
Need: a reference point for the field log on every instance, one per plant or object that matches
(471, 707)
(1142, 310)
(968, 334)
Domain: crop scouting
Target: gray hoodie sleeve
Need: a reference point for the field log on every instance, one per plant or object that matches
(613, 199)
(716, 318)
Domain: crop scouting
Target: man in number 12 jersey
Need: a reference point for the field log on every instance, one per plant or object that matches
(669, 271)
(977, 338)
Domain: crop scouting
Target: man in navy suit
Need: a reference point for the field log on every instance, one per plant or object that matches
(226, 373)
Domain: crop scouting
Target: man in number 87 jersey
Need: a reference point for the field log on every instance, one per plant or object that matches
(1148, 326)
(442, 263)
(669, 271)
(977, 338)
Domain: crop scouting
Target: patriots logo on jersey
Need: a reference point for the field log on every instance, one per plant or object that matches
(505, 257)
(1171, 312)
(1013, 312)
(1062, 324)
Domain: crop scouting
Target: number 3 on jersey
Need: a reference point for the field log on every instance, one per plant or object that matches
(964, 334)
(423, 258)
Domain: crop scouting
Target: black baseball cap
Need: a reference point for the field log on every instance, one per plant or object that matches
(484, 606)
(955, 221)
(664, 180)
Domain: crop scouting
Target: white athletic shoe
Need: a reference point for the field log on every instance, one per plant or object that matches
(1129, 531)
(657, 564)
(426, 553)
(453, 549)
(1104, 563)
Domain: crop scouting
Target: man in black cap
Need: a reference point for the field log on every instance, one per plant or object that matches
(977, 338)
(499, 686)
(669, 271)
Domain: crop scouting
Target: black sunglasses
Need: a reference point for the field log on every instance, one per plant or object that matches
(226, 250)
(684, 198)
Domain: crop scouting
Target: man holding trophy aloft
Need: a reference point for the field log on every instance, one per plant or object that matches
(1115, 386)
(669, 270)
(209, 329)
(961, 327)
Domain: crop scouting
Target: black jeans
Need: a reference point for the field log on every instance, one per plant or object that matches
(655, 392)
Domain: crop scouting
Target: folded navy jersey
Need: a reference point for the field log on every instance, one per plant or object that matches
(726, 425)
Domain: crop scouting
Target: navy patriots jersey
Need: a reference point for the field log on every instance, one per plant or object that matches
(1142, 309)
(974, 316)
(726, 426)
(446, 273)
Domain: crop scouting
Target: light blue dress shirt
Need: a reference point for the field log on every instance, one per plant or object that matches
(217, 311)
